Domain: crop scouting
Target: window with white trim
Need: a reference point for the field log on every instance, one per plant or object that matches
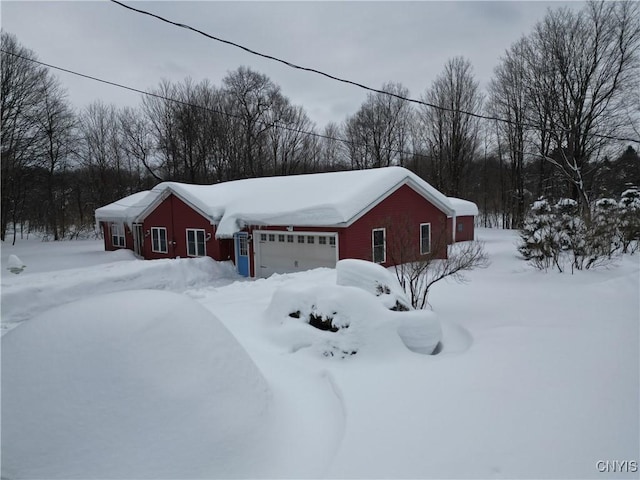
(243, 242)
(379, 245)
(281, 238)
(272, 237)
(310, 239)
(300, 239)
(425, 238)
(289, 238)
(159, 239)
(117, 235)
(322, 240)
(332, 240)
(196, 242)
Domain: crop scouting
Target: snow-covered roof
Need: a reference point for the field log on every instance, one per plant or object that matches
(118, 211)
(463, 207)
(322, 199)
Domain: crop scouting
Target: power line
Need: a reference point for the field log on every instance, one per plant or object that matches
(343, 80)
(222, 112)
(187, 104)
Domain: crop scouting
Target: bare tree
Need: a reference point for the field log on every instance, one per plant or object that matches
(251, 95)
(450, 135)
(582, 68)
(379, 132)
(418, 266)
(21, 138)
(57, 124)
(508, 100)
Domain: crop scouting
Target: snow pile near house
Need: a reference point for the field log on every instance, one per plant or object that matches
(27, 295)
(375, 279)
(140, 384)
(342, 321)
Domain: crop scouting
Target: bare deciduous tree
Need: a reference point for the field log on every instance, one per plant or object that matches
(449, 135)
(380, 131)
(582, 66)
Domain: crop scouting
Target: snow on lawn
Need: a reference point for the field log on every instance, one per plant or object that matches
(109, 387)
(41, 256)
(538, 374)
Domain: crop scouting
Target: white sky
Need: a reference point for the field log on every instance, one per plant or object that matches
(367, 42)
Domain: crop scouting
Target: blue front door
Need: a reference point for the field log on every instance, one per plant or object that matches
(242, 253)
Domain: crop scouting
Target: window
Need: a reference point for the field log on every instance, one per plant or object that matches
(159, 239)
(117, 235)
(195, 242)
(311, 239)
(322, 240)
(281, 238)
(243, 241)
(379, 245)
(332, 240)
(425, 238)
(289, 238)
(460, 226)
(300, 239)
(272, 237)
(263, 237)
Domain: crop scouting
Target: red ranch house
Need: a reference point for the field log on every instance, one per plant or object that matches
(293, 223)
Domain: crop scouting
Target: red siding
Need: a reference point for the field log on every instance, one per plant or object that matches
(467, 233)
(400, 214)
(108, 241)
(176, 216)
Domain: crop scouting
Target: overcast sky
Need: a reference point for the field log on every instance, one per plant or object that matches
(367, 42)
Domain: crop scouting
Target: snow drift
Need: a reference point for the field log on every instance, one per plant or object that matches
(142, 384)
(359, 314)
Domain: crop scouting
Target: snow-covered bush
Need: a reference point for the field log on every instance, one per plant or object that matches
(603, 237)
(347, 320)
(560, 236)
(629, 211)
(375, 279)
(540, 244)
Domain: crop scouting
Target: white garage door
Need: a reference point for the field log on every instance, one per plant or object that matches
(285, 252)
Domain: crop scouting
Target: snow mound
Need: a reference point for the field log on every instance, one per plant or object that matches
(347, 321)
(15, 265)
(28, 295)
(141, 384)
(375, 279)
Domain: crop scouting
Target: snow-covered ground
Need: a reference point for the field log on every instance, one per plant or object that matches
(538, 376)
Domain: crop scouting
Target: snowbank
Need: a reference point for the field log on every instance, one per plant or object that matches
(27, 295)
(375, 279)
(348, 321)
(140, 384)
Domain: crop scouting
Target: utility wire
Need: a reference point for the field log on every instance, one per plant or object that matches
(207, 109)
(350, 82)
(221, 112)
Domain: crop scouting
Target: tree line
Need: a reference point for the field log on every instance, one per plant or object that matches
(565, 93)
